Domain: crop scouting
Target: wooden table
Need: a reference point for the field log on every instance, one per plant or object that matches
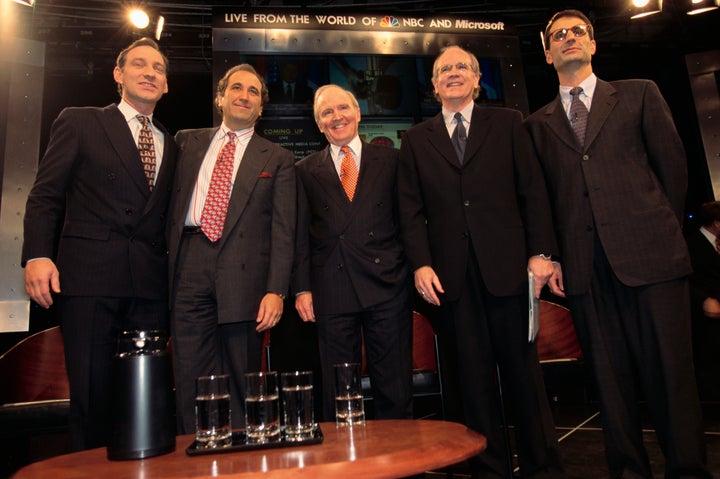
(380, 449)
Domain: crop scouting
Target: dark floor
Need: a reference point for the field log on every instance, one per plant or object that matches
(580, 436)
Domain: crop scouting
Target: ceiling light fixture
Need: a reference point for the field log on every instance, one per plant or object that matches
(644, 8)
(702, 6)
(27, 3)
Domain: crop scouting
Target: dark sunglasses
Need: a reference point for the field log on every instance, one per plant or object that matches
(577, 31)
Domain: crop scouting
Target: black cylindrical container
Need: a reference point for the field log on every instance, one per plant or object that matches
(143, 420)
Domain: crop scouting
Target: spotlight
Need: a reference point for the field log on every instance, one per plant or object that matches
(139, 18)
(27, 3)
(702, 6)
(644, 8)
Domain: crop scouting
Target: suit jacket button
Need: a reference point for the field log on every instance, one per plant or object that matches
(340, 266)
(342, 237)
(466, 203)
(585, 157)
(128, 211)
(371, 234)
(377, 260)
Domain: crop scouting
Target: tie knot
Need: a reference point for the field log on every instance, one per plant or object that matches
(231, 136)
(143, 119)
(458, 117)
(346, 150)
(576, 91)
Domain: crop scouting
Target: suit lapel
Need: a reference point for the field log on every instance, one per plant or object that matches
(603, 103)
(478, 132)
(558, 122)
(117, 130)
(192, 156)
(324, 170)
(439, 140)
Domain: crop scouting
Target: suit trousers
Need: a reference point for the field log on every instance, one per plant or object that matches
(387, 333)
(638, 341)
(201, 346)
(490, 332)
(90, 329)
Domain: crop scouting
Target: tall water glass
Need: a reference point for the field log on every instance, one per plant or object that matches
(212, 411)
(349, 409)
(297, 404)
(262, 408)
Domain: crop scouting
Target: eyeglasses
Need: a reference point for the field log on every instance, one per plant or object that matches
(460, 67)
(577, 31)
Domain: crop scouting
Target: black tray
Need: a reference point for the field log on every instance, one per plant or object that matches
(239, 444)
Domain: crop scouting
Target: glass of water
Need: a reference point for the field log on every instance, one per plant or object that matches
(297, 404)
(349, 409)
(262, 407)
(212, 411)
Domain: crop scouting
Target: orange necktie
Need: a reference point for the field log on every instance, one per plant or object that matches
(348, 172)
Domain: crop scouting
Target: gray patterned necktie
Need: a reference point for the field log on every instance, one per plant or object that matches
(459, 137)
(146, 146)
(578, 114)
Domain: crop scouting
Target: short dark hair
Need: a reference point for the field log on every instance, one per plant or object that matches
(708, 213)
(141, 42)
(243, 67)
(567, 13)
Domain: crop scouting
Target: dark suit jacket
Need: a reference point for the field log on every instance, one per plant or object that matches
(91, 194)
(628, 182)
(256, 248)
(705, 280)
(349, 253)
(496, 199)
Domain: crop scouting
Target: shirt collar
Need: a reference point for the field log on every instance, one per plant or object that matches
(707, 234)
(449, 116)
(355, 146)
(129, 112)
(588, 85)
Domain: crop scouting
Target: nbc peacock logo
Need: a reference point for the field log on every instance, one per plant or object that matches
(388, 21)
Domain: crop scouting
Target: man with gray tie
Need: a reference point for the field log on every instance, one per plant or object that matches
(474, 219)
(617, 176)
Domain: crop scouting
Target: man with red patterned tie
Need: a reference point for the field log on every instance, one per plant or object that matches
(231, 237)
(94, 242)
(350, 272)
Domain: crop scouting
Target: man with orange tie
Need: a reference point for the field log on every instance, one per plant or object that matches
(350, 272)
(231, 237)
(94, 242)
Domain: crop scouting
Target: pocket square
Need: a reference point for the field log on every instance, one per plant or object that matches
(265, 174)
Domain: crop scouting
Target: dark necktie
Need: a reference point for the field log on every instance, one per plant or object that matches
(348, 172)
(459, 137)
(578, 114)
(212, 219)
(146, 146)
(288, 92)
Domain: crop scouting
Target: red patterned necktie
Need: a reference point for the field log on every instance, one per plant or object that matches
(348, 172)
(146, 146)
(215, 208)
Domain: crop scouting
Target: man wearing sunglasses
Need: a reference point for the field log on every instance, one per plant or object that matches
(616, 172)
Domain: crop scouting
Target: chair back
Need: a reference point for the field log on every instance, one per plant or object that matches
(556, 339)
(34, 369)
(424, 350)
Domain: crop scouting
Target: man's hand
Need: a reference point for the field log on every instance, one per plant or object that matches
(271, 308)
(304, 307)
(542, 269)
(711, 308)
(428, 284)
(555, 283)
(42, 276)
